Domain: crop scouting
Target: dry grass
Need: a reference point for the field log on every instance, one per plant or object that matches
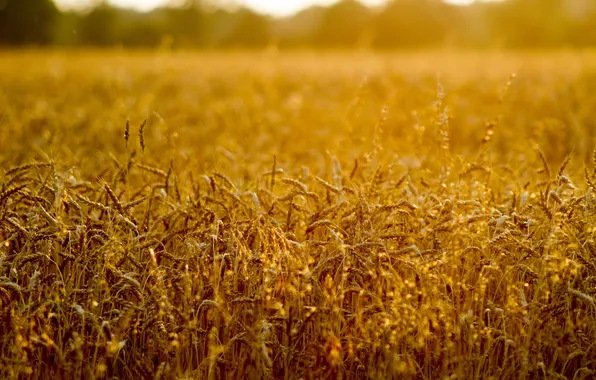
(266, 216)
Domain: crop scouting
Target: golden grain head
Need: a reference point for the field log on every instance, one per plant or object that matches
(323, 241)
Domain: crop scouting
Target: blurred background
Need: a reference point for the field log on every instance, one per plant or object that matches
(300, 24)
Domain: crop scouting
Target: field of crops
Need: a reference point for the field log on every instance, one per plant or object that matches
(297, 216)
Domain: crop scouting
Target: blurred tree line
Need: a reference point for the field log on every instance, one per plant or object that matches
(399, 24)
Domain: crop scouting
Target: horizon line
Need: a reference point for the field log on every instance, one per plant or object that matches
(64, 6)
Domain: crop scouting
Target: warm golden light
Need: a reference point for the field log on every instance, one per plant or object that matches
(285, 7)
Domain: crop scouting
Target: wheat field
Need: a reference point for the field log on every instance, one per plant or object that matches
(297, 215)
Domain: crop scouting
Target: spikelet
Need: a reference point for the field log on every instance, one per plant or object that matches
(132, 281)
(53, 222)
(582, 296)
(152, 170)
(544, 203)
(273, 172)
(11, 285)
(168, 176)
(589, 180)
(402, 180)
(554, 196)
(331, 210)
(500, 239)
(127, 222)
(142, 135)
(297, 184)
(9, 193)
(16, 224)
(354, 169)
(26, 167)
(33, 280)
(228, 182)
(545, 167)
(564, 165)
(388, 208)
(473, 168)
(114, 198)
(127, 133)
(91, 203)
(327, 185)
(489, 131)
(135, 203)
(319, 223)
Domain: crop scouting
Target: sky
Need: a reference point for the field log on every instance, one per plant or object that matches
(275, 7)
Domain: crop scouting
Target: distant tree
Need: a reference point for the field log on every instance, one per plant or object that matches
(186, 25)
(142, 30)
(247, 29)
(27, 21)
(581, 32)
(298, 30)
(343, 24)
(474, 30)
(66, 30)
(415, 24)
(99, 27)
(531, 23)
